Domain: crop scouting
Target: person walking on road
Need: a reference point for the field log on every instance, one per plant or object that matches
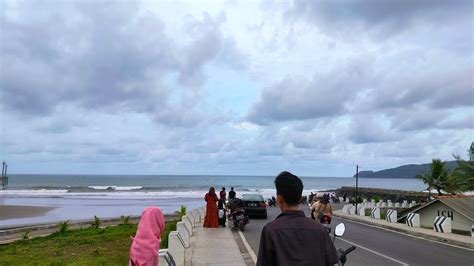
(210, 220)
(285, 240)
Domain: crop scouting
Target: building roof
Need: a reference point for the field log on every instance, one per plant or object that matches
(462, 204)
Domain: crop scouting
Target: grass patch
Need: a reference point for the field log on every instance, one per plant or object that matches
(89, 246)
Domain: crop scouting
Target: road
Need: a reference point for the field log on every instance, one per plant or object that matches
(377, 246)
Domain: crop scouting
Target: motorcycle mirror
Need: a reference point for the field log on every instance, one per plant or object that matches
(340, 228)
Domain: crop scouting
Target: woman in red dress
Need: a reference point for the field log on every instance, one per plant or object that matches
(211, 209)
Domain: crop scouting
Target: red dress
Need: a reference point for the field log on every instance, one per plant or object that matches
(211, 211)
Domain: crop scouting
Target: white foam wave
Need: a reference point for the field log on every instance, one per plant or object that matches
(117, 188)
(126, 192)
(45, 193)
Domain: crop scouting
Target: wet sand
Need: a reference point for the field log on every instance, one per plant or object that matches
(18, 212)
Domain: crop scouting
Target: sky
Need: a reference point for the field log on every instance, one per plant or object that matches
(234, 87)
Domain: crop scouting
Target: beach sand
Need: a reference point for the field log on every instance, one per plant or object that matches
(17, 211)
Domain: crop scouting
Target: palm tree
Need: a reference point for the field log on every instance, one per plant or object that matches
(437, 177)
(462, 178)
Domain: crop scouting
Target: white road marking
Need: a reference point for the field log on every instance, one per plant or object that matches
(401, 233)
(375, 252)
(247, 246)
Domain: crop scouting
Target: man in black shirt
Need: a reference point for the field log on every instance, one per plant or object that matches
(294, 239)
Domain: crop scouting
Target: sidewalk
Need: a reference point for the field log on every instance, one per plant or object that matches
(453, 239)
(213, 246)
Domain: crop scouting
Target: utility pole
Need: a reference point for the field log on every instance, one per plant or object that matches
(357, 186)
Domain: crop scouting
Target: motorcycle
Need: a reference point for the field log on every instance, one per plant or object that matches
(342, 254)
(271, 203)
(239, 219)
(326, 223)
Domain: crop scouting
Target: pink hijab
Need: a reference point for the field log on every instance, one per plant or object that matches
(146, 244)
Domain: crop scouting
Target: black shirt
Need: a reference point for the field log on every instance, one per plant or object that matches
(294, 239)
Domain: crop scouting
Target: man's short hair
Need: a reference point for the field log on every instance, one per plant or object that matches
(290, 187)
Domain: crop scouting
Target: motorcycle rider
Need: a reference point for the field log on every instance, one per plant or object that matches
(285, 240)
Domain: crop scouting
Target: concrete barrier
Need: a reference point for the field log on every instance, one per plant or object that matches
(442, 224)
(197, 216)
(176, 247)
(364, 200)
(345, 208)
(384, 204)
(379, 204)
(391, 216)
(352, 210)
(183, 232)
(397, 205)
(191, 219)
(405, 204)
(348, 200)
(341, 199)
(201, 212)
(389, 204)
(413, 219)
(188, 224)
(375, 213)
(362, 211)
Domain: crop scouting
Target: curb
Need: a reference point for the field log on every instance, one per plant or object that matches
(409, 232)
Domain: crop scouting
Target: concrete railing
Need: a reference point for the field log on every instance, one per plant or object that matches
(179, 241)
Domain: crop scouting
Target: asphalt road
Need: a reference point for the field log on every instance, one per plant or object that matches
(377, 246)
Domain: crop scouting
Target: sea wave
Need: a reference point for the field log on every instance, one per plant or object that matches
(117, 188)
(116, 192)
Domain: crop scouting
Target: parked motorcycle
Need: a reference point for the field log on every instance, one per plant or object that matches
(342, 254)
(271, 202)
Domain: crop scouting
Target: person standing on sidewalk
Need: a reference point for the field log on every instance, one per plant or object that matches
(210, 220)
(294, 239)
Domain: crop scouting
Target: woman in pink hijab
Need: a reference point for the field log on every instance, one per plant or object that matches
(146, 243)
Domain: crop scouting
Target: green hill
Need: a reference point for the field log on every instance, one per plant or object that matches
(404, 171)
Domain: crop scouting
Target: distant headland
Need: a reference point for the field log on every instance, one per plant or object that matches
(404, 171)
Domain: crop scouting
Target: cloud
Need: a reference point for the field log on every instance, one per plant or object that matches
(380, 19)
(293, 99)
(107, 57)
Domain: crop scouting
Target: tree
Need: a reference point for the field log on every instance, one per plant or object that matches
(437, 177)
(471, 152)
(462, 177)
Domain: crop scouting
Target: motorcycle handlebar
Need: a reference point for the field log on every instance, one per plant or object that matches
(349, 250)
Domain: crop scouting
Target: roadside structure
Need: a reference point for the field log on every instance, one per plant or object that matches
(459, 209)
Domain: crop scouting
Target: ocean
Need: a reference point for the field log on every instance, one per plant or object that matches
(173, 187)
(78, 197)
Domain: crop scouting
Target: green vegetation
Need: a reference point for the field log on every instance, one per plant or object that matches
(437, 177)
(90, 246)
(63, 226)
(376, 198)
(460, 180)
(125, 219)
(26, 235)
(96, 223)
(182, 212)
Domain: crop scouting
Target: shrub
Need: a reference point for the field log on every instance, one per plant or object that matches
(96, 223)
(26, 235)
(377, 198)
(182, 212)
(63, 226)
(125, 220)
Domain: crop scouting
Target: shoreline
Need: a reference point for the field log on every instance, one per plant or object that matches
(8, 212)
